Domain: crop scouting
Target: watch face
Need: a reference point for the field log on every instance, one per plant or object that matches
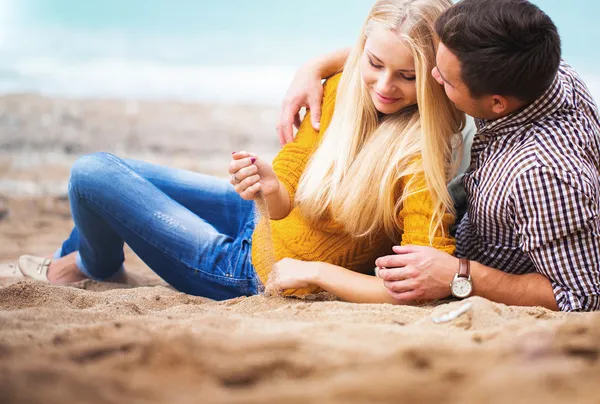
(462, 287)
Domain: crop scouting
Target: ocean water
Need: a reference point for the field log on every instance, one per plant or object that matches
(233, 51)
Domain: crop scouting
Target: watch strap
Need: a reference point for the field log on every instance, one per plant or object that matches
(464, 268)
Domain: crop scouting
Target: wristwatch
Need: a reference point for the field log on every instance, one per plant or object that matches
(462, 286)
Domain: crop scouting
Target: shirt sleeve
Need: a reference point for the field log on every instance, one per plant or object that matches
(416, 215)
(291, 161)
(556, 217)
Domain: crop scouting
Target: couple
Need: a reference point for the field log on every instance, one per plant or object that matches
(369, 170)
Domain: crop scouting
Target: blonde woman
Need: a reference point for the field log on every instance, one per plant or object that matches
(374, 175)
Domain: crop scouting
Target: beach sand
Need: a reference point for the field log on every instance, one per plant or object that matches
(146, 343)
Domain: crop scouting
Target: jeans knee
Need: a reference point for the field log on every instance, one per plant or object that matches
(90, 169)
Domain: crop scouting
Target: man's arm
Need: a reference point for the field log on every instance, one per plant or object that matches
(556, 219)
(424, 273)
(306, 90)
(514, 290)
(331, 63)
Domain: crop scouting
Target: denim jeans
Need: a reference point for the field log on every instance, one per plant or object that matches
(193, 230)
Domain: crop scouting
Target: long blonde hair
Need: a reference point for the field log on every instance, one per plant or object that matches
(356, 173)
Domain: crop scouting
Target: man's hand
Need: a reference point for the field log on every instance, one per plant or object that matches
(306, 90)
(417, 273)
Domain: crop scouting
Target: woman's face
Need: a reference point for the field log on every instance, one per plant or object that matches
(388, 71)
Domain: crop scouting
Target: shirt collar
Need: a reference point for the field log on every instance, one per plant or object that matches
(544, 106)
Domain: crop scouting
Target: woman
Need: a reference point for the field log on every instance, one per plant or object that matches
(375, 174)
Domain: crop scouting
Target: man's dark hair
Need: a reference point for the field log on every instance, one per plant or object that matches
(505, 47)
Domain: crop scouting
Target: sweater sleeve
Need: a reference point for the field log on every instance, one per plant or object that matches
(291, 161)
(416, 215)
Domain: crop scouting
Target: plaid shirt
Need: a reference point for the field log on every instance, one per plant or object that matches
(533, 191)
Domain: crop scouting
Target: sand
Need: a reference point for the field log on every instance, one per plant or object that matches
(146, 343)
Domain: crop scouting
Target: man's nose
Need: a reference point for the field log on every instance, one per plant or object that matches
(436, 75)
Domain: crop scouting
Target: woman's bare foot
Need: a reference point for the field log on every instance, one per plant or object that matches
(65, 270)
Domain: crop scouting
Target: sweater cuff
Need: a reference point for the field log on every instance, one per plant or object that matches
(289, 166)
(446, 244)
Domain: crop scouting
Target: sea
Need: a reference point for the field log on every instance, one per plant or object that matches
(224, 51)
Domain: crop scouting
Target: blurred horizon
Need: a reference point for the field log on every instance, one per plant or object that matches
(222, 52)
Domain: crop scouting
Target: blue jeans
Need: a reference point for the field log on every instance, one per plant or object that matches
(193, 230)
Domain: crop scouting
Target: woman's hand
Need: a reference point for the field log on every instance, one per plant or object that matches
(293, 277)
(250, 175)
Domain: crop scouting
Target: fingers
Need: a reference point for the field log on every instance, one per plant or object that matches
(280, 135)
(288, 118)
(397, 274)
(297, 121)
(285, 133)
(288, 133)
(246, 183)
(396, 261)
(314, 105)
(407, 249)
(242, 155)
(288, 121)
(236, 165)
(250, 192)
(401, 286)
(243, 174)
(274, 286)
(406, 297)
(249, 186)
(272, 289)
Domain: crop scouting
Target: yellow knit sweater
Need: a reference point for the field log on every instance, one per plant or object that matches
(294, 237)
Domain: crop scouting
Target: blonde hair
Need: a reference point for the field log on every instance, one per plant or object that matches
(356, 173)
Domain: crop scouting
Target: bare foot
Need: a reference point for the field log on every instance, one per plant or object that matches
(65, 270)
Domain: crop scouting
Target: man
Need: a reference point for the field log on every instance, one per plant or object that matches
(531, 235)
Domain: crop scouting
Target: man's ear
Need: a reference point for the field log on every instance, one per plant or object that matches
(500, 105)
